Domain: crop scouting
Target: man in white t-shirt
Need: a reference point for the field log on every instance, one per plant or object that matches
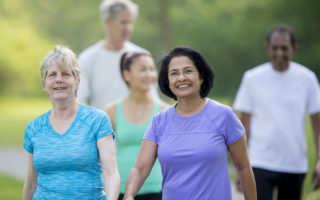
(101, 80)
(274, 99)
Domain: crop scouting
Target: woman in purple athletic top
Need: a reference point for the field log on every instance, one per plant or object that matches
(191, 139)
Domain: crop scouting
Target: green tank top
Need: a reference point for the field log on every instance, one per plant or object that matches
(128, 140)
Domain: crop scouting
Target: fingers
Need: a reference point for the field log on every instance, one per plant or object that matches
(316, 180)
(238, 184)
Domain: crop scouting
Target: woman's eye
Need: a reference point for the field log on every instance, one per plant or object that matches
(173, 74)
(188, 71)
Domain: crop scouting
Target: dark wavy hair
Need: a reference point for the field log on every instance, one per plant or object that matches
(126, 61)
(205, 70)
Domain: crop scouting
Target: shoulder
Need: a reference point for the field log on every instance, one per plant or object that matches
(163, 105)
(111, 109)
(90, 115)
(164, 115)
(257, 71)
(221, 115)
(218, 108)
(88, 53)
(38, 123)
(129, 46)
(302, 70)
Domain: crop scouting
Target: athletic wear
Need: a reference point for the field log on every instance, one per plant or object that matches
(128, 142)
(68, 164)
(193, 151)
(289, 185)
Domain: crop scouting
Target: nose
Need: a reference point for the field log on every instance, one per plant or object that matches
(59, 78)
(279, 52)
(181, 76)
(128, 27)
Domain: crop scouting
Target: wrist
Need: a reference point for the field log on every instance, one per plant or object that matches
(128, 197)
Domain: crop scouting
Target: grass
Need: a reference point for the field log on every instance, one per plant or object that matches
(16, 113)
(10, 188)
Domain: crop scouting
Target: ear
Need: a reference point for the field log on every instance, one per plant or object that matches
(107, 23)
(43, 83)
(266, 47)
(295, 48)
(126, 75)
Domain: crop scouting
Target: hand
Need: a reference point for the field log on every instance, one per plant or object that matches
(238, 183)
(127, 198)
(316, 176)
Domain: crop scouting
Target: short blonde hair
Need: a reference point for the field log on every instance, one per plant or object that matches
(110, 8)
(63, 57)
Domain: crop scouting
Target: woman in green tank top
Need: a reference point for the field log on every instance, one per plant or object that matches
(132, 115)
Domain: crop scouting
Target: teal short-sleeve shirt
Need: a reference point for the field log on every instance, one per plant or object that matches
(68, 164)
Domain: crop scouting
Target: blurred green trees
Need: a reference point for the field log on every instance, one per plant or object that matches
(230, 34)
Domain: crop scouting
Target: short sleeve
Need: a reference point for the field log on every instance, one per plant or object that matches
(105, 127)
(27, 144)
(151, 132)
(243, 100)
(234, 129)
(313, 103)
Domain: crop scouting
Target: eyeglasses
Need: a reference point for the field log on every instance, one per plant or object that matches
(185, 73)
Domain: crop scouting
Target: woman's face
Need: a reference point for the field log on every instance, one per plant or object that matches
(184, 79)
(60, 83)
(142, 74)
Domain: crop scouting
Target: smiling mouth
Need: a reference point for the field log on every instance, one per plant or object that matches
(183, 86)
(59, 88)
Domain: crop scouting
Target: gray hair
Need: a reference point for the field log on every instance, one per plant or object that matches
(110, 8)
(63, 57)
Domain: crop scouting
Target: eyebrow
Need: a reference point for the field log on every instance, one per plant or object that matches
(182, 69)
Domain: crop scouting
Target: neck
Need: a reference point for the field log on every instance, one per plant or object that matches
(139, 97)
(64, 110)
(187, 106)
(113, 44)
(280, 68)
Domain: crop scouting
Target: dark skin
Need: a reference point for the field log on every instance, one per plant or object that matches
(280, 51)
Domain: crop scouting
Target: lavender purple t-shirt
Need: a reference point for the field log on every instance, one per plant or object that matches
(193, 150)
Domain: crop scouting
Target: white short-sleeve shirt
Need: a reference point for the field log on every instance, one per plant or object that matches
(101, 81)
(278, 103)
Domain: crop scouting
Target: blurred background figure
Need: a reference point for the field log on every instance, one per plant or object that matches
(70, 148)
(132, 115)
(273, 99)
(101, 80)
(192, 138)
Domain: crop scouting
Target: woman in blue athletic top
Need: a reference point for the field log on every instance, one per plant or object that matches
(70, 148)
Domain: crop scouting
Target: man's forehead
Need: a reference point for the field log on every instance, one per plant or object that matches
(280, 35)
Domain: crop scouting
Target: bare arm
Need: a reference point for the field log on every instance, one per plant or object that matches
(31, 182)
(111, 110)
(315, 121)
(109, 167)
(239, 154)
(141, 169)
(245, 120)
(163, 105)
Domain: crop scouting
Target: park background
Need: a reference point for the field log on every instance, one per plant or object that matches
(229, 33)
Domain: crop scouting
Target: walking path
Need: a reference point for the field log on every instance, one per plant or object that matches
(13, 162)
